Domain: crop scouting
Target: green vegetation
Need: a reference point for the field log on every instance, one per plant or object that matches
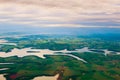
(7, 48)
(64, 42)
(99, 67)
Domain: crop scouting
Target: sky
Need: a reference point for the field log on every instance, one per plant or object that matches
(60, 13)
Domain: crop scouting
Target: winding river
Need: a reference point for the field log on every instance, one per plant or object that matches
(40, 53)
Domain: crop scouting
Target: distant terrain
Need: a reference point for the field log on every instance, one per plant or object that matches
(102, 57)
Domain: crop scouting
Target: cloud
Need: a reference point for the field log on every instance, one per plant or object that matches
(61, 13)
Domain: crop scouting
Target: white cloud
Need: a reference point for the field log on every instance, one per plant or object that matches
(62, 13)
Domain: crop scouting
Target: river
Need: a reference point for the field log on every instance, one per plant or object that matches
(41, 53)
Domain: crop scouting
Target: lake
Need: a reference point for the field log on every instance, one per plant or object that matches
(47, 77)
(2, 77)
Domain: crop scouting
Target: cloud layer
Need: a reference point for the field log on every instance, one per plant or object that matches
(61, 13)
